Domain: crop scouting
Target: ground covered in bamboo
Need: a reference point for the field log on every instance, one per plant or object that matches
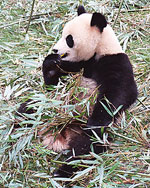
(24, 162)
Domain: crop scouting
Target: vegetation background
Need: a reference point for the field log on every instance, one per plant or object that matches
(24, 162)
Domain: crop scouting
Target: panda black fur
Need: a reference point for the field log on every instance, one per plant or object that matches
(88, 43)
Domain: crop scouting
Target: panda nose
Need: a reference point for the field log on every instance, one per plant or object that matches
(55, 51)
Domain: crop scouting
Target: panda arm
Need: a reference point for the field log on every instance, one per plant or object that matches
(117, 89)
(69, 67)
(72, 66)
(103, 110)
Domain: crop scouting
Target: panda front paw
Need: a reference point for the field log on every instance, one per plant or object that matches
(51, 69)
(51, 63)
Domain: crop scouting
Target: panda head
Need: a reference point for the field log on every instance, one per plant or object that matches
(86, 35)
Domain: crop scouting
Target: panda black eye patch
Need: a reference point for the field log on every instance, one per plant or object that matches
(70, 41)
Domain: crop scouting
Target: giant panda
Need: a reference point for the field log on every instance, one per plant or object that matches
(88, 43)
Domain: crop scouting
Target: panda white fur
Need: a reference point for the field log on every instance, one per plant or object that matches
(89, 43)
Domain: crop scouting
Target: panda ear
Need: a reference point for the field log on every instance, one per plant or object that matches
(81, 10)
(99, 21)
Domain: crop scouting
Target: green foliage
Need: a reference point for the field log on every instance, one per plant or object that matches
(24, 162)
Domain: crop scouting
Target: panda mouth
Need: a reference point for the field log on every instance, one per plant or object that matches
(64, 55)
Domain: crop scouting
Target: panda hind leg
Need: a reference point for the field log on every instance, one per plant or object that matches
(80, 144)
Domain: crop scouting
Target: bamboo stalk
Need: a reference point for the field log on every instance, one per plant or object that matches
(7, 25)
(30, 16)
(120, 6)
(26, 19)
(135, 10)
